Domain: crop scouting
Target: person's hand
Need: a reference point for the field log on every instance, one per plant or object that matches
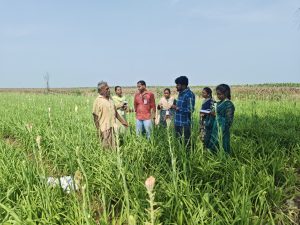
(173, 107)
(125, 124)
(213, 113)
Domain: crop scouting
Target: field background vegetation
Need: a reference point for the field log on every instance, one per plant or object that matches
(52, 134)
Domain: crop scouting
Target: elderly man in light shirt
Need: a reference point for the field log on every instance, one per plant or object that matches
(105, 115)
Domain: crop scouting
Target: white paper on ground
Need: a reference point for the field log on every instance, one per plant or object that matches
(66, 183)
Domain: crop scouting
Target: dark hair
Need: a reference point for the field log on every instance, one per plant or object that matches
(224, 89)
(116, 87)
(168, 89)
(183, 80)
(208, 91)
(141, 82)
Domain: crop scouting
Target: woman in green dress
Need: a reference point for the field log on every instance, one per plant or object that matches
(222, 118)
(206, 108)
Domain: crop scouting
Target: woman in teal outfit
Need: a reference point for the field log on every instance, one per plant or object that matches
(206, 108)
(222, 120)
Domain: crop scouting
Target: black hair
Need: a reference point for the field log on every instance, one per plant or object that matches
(224, 89)
(141, 82)
(116, 87)
(167, 89)
(183, 80)
(208, 91)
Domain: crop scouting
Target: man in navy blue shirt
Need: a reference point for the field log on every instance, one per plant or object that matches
(185, 106)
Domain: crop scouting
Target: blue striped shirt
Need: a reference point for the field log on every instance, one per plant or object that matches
(186, 105)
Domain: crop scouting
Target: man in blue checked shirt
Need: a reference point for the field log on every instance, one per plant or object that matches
(185, 106)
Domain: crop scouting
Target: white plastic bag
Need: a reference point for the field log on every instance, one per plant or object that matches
(66, 183)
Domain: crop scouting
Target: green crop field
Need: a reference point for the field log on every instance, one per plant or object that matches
(53, 135)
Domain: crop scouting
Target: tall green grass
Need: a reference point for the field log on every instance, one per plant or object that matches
(251, 186)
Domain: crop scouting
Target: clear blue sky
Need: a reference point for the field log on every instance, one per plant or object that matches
(82, 42)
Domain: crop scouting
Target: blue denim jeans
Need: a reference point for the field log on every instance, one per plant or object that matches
(144, 126)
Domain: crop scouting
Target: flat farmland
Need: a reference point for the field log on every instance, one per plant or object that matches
(52, 134)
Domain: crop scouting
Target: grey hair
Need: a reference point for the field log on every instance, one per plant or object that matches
(101, 84)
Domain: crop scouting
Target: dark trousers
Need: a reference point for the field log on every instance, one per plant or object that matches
(184, 131)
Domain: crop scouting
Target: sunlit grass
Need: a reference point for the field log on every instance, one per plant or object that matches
(250, 187)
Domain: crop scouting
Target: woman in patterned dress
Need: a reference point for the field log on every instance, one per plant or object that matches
(222, 120)
(206, 108)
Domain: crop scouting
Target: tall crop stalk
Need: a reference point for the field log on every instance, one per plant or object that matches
(122, 173)
(84, 190)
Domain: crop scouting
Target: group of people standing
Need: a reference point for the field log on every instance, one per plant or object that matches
(215, 117)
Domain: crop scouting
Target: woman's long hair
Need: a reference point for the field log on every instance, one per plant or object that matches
(224, 89)
(208, 91)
